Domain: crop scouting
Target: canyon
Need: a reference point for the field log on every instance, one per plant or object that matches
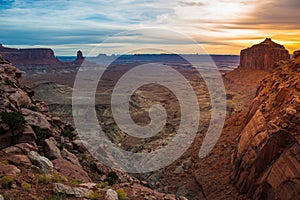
(256, 157)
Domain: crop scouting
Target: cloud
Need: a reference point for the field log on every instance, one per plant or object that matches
(64, 24)
(190, 3)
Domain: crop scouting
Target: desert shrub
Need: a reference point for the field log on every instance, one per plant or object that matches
(75, 181)
(57, 196)
(40, 134)
(14, 120)
(58, 178)
(67, 133)
(10, 83)
(102, 184)
(121, 194)
(94, 196)
(26, 186)
(4, 162)
(43, 178)
(112, 178)
(6, 181)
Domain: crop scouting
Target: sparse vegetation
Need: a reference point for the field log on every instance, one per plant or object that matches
(121, 193)
(94, 196)
(58, 178)
(14, 120)
(43, 178)
(6, 181)
(58, 196)
(26, 186)
(10, 83)
(112, 178)
(4, 162)
(40, 134)
(75, 181)
(102, 185)
(67, 133)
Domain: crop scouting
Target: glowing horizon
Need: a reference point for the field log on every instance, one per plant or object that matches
(219, 26)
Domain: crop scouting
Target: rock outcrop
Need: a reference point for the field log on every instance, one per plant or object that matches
(267, 159)
(263, 56)
(36, 57)
(296, 54)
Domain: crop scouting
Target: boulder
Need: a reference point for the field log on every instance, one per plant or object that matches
(51, 150)
(20, 160)
(26, 147)
(20, 98)
(70, 157)
(78, 192)
(111, 195)
(12, 150)
(80, 145)
(263, 56)
(43, 164)
(36, 119)
(9, 170)
(28, 135)
(66, 168)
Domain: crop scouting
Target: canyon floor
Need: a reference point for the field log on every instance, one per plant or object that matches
(189, 176)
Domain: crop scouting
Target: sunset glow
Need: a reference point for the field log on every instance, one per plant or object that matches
(220, 26)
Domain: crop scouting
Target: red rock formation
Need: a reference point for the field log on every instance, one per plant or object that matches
(267, 159)
(296, 54)
(28, 58)
(263, 56)
(39, 56)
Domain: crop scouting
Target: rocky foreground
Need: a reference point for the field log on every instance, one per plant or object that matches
(42, 158)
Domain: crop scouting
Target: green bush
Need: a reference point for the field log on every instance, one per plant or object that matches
(14, 120)
(6, 181)
(40, 134)
(112, 178)
(67, 133)
(26, 186)
(10, 83)
(94, 196)
(121, 194)
(43, 178)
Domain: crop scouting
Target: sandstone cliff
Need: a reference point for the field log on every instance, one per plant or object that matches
(42, 58)
(41, 157)
(263, 56)
(267, 159)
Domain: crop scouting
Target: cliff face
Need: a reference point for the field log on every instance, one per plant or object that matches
(37, 58)
(263, 56)
(267, 159)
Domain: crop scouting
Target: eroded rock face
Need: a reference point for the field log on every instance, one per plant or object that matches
(263, 56)
(296, 54)
(267, 160)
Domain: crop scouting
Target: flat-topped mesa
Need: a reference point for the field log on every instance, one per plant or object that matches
(263, 56)
(38, 56)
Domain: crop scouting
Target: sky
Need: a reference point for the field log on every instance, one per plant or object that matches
(218, 26)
